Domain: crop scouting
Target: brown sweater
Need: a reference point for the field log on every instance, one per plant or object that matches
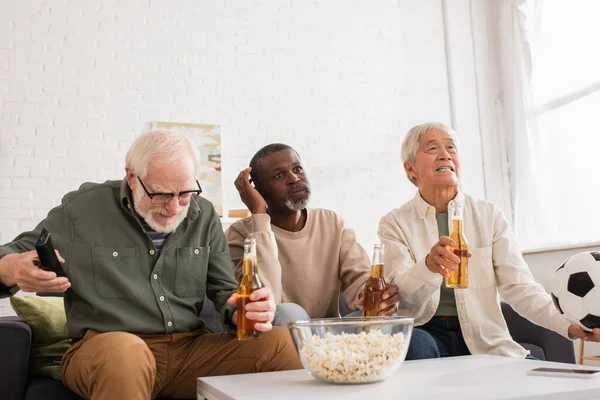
(310, 267)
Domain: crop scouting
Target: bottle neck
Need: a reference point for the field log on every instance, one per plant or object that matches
(249, 265)
(457, 234)
(377, 262)
(457, 219)
(457, 226)
(377, 271)
(249, 261)
(457, 212)
(377, 256)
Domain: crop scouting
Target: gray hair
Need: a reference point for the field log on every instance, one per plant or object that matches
(164, 145)
(269, 149)
(411, 141)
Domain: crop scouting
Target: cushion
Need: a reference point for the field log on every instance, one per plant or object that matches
(46, 317)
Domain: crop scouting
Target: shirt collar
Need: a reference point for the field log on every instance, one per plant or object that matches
(126, 196)
(422, 207)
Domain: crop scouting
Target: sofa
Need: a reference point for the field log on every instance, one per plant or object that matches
(15, 341)
(541, 342)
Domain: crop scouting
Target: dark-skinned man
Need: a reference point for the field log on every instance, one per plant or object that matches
(307, 256)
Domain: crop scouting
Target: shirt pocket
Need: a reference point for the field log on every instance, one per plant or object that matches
(190, 273)
(117, 271)
(481, 268)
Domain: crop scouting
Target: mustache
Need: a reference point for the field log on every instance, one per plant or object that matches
(160, 211)
(299, 187)
(165, 213)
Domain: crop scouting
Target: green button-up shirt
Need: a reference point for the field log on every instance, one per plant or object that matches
(119, 280)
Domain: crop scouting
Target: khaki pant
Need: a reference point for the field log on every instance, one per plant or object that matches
(120, 365)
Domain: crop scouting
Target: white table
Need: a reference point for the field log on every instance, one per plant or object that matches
(461, 378)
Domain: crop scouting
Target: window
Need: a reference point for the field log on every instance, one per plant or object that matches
(557, 155)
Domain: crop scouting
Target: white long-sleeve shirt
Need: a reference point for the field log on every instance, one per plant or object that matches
(496, 267)
(311, 267)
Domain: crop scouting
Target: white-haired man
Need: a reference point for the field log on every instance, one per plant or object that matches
(454, 322)
(140, 254)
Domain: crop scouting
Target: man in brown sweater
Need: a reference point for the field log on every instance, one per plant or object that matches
(307, 256)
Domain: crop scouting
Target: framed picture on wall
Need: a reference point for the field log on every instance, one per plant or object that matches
(208, 141)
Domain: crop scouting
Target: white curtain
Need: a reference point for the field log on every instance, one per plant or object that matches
(550, 73)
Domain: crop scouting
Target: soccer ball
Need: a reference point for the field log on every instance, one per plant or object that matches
(576, 289)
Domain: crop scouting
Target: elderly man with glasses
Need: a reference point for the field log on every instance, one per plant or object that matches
(140, 254)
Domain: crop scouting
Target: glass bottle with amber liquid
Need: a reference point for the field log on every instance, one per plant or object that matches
(375, 285)
(248, 284)
(458, 279)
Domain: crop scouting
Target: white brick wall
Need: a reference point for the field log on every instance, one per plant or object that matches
(341, 81)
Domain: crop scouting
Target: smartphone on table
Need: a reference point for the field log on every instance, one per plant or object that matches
(47, 255)
(565, 372)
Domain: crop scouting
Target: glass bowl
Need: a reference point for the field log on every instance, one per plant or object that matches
(352, 350)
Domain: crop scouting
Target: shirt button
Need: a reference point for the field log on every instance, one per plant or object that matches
(115, 254)
(196, 251)
(162, 298)
(155, 276)
(169, 323)
(151, 252)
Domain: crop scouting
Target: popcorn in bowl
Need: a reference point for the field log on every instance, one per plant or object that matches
(352, 350)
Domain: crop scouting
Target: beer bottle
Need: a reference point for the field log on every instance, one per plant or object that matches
(375, 285)
(248, 284)
(459, 279)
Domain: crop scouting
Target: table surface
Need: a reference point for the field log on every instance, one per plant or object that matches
(461, 378)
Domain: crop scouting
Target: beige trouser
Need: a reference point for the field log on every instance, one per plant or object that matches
(120, 365)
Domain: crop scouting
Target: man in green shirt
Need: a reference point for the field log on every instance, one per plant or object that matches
(140, 255)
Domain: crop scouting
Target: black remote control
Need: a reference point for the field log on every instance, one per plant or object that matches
(47, 255)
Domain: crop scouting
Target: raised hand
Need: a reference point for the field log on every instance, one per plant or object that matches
(248, 193)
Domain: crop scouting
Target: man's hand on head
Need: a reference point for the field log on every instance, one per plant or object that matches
(248, 193)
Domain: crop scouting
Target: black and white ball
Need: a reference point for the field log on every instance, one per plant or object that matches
(576, 289)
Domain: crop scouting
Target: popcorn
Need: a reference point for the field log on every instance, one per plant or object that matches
(353, 358)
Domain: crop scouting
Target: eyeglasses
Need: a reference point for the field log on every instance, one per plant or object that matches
(160, 199)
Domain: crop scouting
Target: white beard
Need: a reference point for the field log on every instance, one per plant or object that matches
(297, 205)
(149, 215)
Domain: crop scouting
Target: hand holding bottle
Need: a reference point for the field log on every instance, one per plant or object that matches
(440, 260)
(379, 298)
(260, 309)
(254, 301)
(458, 278)
(389, 300)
